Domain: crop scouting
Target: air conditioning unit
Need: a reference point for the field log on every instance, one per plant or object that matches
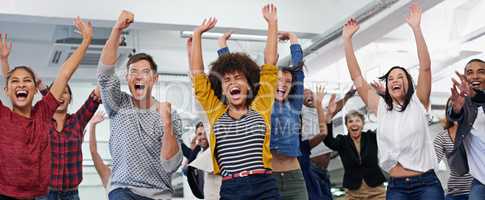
(62, 51)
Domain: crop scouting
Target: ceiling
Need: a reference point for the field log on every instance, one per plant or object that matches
(453, 30)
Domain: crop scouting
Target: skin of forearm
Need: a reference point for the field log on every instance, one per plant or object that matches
(271, 49)
(110, 50)
(169, 144)
(5, 66)
(68, 68)
(197, 61)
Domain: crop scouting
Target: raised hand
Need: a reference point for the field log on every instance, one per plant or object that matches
(223, 39)
(464, 86)
(350, 27)
(414, 17)
(332, 107)
(98, 117)
(85, 29)
(5, 46)
(319, 94)
(97, 93)
(378, 86)
(206, 25)
(283, 36)
(124, 20)
(270, 13)
(165, 110)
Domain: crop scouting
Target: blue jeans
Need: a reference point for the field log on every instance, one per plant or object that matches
(457, 197)
(58, 195)
(324, 181)
(478, 190)
(423, 187)
(125, 194)
(250, 187)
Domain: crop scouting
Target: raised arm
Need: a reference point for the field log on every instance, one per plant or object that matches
(322, 121)
(368, 95)
(296, 98)
(339, 105)
(197, 60)
(5, 48)
(169, 141)
(222, 42)
(72, 63)
(103, 170)
(423, 89)
(87, 110)
(110, 50)
(271, 49)
(459, 91)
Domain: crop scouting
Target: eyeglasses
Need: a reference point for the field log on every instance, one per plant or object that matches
(143, 73)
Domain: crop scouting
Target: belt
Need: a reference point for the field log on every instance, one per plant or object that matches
(247, 173)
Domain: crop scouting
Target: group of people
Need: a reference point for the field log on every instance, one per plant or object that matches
(269, 137)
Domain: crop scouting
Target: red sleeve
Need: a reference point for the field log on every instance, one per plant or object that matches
(87, 110)
(47, 106)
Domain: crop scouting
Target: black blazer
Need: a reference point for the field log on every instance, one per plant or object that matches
(365, 166)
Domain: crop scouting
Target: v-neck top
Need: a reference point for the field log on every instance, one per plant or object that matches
(357, 166)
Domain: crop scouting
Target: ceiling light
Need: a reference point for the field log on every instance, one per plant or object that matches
(234, 36)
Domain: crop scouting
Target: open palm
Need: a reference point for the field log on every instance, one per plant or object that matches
(5, 46)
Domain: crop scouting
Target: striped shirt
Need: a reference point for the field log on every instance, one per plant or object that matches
(456, 184)
(215, 110)
(239, 142)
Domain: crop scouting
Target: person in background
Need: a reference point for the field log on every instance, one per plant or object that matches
(143, 131)
(458, 185)
(195, 177)
(363, 177)
(103, 170)
(312, 146)
(468, 110)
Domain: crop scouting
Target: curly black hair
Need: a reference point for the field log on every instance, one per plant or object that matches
(234, 62)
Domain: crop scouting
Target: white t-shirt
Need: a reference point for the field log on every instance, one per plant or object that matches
(310, 128)
(403, 137)
(475, 147)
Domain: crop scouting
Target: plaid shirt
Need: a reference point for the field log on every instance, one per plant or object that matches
(66, 154)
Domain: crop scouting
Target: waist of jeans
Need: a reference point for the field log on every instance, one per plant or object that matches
(63, 190)
(426, 177)
(247, 173)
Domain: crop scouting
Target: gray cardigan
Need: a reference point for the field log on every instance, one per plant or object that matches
(466, 117)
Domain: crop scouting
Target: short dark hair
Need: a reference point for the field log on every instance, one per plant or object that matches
(28, 69)
(68, 90)
(387, 97)
(234, 62)
(142, 56)
(291, 69)
(354, 113)
(472, 61)
(199, 124)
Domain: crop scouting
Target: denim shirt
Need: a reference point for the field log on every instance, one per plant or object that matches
(286, 115)
(465, 118)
